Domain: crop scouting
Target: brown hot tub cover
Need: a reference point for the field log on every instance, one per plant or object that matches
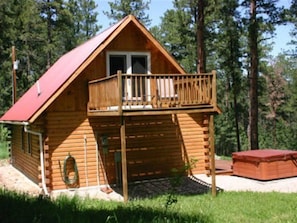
(266, 164)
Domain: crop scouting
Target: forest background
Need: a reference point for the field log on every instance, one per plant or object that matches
(257, 92)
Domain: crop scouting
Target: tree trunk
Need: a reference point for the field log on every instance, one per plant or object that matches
(236, 121)
(49, 34)
(200, 38)
(253, 79)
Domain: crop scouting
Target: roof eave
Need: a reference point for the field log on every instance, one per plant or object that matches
(6, 122)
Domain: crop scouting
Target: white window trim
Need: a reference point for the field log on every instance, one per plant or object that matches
(128, 55)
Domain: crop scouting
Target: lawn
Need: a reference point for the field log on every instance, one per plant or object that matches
(3, 150)
(226, 207)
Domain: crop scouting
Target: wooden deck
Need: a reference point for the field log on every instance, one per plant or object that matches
(224, 167)
(152, 94)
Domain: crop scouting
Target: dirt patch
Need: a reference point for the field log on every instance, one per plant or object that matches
(12, 179)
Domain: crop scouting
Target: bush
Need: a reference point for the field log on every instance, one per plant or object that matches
(4, 133)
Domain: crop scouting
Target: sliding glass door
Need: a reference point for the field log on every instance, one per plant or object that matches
(135, 87)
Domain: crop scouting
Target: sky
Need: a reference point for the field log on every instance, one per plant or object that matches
(159, 7)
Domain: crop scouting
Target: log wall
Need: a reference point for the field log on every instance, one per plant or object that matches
(25, 161)
(155, 145)
(193, 129)
(69, 133)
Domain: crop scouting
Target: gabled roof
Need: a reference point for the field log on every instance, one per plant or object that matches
(65, 70)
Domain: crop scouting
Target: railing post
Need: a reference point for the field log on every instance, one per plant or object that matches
(120, 88)
(214, 87)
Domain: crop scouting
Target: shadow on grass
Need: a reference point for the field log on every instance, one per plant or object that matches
(17, 208)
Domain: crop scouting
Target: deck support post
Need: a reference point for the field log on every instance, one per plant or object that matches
(124, 159)
(212, 156)
(123, 139)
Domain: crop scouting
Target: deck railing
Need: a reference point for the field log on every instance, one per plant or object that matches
(141, 91)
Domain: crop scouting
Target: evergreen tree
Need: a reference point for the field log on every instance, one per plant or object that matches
(199, 18)
(30, 44)
(178, 32)
(83, 22)
(232, 90)
(274, 97)
(263, 16)
(121, 8)
(179, 37)
(291, 16)
(7, 37)
(57, 18)
(286, 115)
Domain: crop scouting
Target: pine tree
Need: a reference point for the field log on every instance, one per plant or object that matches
(29, 45)
(56, 16)
(83, 22)
(121, 8)
(291, 16)
(179, 34)
(263, 15)
(7, 37)
(229, 51)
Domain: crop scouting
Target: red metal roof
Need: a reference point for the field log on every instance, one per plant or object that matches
(54, 78)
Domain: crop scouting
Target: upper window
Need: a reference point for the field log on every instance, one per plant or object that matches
(131, 63)
(128, 62)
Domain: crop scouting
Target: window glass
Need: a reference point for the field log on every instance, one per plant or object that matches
(117, 62)
(134, 87)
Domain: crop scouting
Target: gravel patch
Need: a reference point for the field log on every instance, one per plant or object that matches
(236, 183)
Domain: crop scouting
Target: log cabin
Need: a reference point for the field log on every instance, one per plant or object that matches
(114, 110)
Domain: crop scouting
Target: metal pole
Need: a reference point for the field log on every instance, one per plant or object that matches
(13, 75)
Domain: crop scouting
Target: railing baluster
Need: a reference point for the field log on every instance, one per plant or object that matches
(196, 90)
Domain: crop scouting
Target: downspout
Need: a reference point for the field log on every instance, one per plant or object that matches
(39, 134)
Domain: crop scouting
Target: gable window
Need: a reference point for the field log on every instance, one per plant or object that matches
(131, 63)
(22, 139)
(29, 143)
(26, 142)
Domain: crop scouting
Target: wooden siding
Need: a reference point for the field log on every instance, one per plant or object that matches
(194, 132)
(70, 133)
(138, 42)
(155, 144)
(27, 163)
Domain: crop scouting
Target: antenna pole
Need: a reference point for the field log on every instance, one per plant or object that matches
(13, 75)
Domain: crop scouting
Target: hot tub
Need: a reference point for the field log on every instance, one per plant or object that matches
(266, 164)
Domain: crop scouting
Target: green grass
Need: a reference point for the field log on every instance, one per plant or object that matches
(226, 207)
(3, 150)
